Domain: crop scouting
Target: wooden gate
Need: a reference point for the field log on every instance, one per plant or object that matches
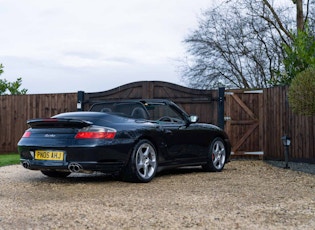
(243, 109)
(193, 101)
(244, 121)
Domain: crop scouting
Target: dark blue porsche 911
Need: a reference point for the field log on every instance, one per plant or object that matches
(133, 139)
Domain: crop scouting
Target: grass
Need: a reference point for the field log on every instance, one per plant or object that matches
(9, 159)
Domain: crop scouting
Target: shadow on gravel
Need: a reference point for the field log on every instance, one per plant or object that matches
(295, 166)
(75, 178)
(180, 171)
(97, 177)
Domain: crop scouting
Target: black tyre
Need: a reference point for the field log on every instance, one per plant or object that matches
(54, 173)
(142, 164)
(217, 156)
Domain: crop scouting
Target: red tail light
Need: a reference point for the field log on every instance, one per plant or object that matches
(96, 133)
(26, 134)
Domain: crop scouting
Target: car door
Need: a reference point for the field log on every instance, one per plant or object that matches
(184, 143)
(182, 139)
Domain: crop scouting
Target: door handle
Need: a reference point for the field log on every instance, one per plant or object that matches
(167, 131)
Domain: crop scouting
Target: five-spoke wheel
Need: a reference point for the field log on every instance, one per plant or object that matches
(146, 160)
(217, 156)
(143, 163)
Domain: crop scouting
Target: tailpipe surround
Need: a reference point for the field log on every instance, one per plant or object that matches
(26, 164)
(75, 167)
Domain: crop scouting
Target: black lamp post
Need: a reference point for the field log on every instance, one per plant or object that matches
(286, 141)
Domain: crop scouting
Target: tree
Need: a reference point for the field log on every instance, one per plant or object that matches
(299, 56)
(300, 22)
(240, 44)
(299, 50)
(301, 94)
(12, 87)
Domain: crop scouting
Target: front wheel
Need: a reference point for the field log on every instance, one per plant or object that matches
(216, 157)
(143, 163)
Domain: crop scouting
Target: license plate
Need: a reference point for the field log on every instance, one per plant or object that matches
(49, 155)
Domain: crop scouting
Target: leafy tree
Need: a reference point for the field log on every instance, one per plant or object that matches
(12, 87)
(301, 94)
(241, 43)
(298, 57)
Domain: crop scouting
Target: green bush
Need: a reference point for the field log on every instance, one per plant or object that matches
(301, 93)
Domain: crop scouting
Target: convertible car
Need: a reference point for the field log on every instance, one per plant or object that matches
(131, 139)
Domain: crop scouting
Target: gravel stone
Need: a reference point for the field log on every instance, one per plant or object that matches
(247, 194)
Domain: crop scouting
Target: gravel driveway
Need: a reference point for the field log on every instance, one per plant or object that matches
(246, 195)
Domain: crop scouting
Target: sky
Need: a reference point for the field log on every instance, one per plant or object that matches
(64, 46)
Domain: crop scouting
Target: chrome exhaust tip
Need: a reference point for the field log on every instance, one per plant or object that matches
(75, 167)
(26, 164)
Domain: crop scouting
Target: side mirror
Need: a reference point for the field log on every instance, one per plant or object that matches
(193, 118)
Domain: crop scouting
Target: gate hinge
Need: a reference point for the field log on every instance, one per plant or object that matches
(227, 118)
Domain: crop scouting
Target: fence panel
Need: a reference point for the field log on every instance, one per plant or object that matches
(17, 109)
(279, 121)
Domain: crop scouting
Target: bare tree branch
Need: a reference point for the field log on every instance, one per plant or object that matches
(275, 15)
(238, 44)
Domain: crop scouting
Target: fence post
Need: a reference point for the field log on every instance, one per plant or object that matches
(221, 107)
(80, 101)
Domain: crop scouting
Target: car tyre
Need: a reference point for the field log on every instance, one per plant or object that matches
(143, 164)
(54, 173)
(216, 157)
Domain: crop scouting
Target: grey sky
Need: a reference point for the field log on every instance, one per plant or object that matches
(94, 45)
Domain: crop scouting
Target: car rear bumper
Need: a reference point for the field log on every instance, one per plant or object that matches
(105, 159)
(74, 166)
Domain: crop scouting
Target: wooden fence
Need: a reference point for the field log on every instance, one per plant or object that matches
(16, 110)
(279, 121)
(255, 122)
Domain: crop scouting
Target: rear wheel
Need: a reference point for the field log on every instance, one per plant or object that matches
(216, 157)
(143, 164)
(54, 173)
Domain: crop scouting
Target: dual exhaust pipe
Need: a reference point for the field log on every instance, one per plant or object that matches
(26, 164)
(73, 167)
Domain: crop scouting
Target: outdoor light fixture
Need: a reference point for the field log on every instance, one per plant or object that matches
(79, 105)
(286, 141)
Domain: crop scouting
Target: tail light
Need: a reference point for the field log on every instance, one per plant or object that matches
(94, 132)
(26, 134)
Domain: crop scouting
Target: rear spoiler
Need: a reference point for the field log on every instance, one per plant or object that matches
(58, 123)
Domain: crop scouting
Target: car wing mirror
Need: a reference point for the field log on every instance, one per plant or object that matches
(193, 118)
